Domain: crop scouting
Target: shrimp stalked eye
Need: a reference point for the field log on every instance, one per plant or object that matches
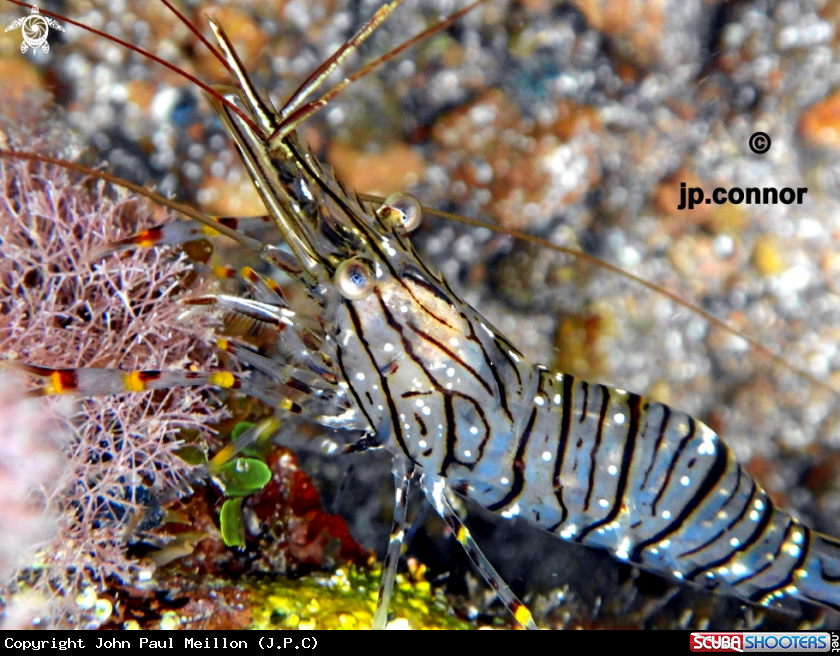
(402, 211)
(353, 279)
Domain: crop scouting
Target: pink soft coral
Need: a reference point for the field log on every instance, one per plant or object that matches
(59, 308)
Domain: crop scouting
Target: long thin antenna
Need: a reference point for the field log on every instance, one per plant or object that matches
(334, 61)
(146, 53)
(186, 210)
(192, 28)
(294, 115)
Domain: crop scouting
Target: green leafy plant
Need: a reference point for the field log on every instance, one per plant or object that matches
(239, 478)
(233, 526)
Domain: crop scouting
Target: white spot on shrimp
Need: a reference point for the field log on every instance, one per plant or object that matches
(619, 418)
(666, 514)
(759, 504)
(620, 391)
(427, 411)
(559, 377)
(539, 401)
(504, 480)
(380, 408)
(604, 503)
(677, 574)
(613, 470)
(450, 372)
(797, 538)
(422, 444)
(360, 376)
(735, 542)
(665, 544)
(557, 399)
(467, 453)
(738, 569)
(403, 309)
(453, 341)
(513, 356)
(513, 511)
(793, 550)
(686, 481)
(419, 403)
(707, 446)
(388, 348)
(474, 430)
(546, 456)
(568, 532)
(754, 515)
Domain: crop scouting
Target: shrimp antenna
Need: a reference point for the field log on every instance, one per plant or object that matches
(192, 28)
(294, 112)
(185, 210)
(405, 45)
(206, 87)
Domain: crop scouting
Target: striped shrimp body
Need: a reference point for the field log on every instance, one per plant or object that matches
(391, 350)
(586, 462)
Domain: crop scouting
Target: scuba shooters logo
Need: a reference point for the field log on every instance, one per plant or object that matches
(794, 641)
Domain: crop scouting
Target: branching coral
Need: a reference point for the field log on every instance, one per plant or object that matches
(61, 307)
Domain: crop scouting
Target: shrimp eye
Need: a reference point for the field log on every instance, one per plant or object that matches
(354, 279)
(401, 210)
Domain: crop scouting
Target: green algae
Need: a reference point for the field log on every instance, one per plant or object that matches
(346, 599)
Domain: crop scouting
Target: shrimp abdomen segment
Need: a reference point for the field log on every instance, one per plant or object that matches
(659, 489)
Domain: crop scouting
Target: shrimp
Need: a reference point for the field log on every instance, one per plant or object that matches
(770, 426)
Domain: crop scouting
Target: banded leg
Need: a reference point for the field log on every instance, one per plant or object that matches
(403, 471)
(258, 233)
(182, 231)
(105, 382)
(435, 490)
(301, 345)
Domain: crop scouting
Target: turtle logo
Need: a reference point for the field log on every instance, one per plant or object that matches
(35, 30)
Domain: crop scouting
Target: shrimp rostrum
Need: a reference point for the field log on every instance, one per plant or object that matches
(394, 352)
